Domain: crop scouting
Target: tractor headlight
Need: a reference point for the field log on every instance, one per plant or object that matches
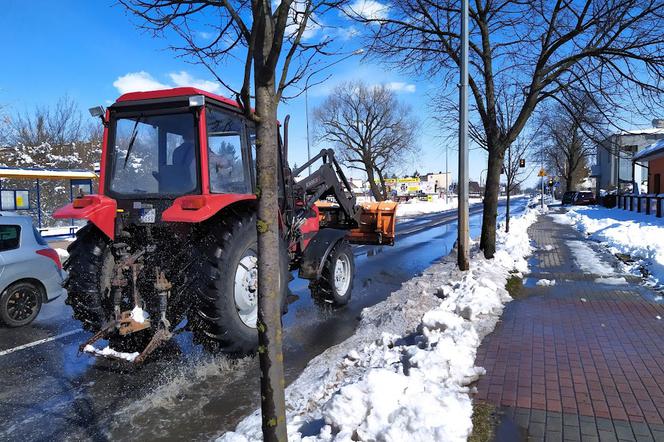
(196, 101)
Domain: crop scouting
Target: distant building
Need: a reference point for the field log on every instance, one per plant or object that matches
(653, 156)
(614, 157)
(440, 180)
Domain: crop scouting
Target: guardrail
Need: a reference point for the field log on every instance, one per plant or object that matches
(650, 204)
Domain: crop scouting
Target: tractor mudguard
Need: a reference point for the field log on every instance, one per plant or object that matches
(98, 209)
(198, 208)
(316, 253)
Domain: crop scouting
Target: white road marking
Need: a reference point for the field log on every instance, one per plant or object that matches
(41, 341)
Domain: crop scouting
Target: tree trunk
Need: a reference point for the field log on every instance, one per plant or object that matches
(383, 187)
(269, 308)
(507, 209)
(488, 238)
(375, 188)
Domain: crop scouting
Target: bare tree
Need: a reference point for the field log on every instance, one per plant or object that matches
(515, 170)
(370, 129)
(57, 125)
(267, 38)
(571, 130)
(529, 51)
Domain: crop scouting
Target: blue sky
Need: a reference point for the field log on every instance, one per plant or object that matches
(92, 50)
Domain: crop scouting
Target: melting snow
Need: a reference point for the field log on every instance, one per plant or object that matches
(386, 383)
(139, 315)
(108, 351)
(636, 234)
(588, 260)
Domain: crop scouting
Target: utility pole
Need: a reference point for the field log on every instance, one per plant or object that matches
(447, 176)
(542, 181)
(463, 255)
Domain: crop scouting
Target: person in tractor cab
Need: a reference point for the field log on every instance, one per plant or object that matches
(184, 155)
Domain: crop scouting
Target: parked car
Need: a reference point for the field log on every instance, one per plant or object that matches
(568, 197)
(584, 198)
(30, 271)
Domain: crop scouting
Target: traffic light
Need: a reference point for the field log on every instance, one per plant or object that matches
(550, 183)
(522, 162)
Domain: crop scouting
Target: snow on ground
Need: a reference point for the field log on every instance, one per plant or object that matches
(620, 280)
(405, 373)
(417, 207)
(588, 260)
(546, 282)
(638, 235)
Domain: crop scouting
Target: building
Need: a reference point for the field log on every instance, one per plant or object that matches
(440, 181)
(652, 157)
(614, 157)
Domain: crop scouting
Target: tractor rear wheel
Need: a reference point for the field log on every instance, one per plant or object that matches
(335, 285)
(225, 314)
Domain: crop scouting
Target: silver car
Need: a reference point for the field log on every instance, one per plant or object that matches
(30, 271)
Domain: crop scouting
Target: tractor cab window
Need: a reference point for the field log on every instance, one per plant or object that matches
(226, 153)
(154, 155)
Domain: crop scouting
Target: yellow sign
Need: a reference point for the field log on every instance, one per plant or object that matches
(19, 201)
(542, 172)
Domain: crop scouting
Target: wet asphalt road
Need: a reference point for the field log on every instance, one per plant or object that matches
(47, 392)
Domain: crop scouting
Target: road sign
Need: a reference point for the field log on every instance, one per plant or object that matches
(542, 172)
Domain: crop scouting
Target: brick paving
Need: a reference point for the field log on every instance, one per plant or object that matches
(580, 360)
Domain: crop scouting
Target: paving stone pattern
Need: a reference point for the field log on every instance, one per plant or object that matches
(580, 360)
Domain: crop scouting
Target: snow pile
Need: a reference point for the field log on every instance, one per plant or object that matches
(109, 352)
(417, 207)
(635, 234)
(546, 282)
(405, 373)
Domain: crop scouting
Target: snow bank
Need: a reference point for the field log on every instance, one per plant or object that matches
(635, 234)
(416, 207)
(405, 373)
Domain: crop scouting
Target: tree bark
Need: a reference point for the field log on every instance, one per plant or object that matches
(269, 308)
(492, 188)
(507, 210)
(375, 189)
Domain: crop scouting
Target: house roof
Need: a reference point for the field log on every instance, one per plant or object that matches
(655, 150)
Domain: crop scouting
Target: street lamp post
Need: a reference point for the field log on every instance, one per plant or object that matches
(463, 255)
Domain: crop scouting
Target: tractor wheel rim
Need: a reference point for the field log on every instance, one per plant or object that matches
(342, 274)
(21, 305)
(246, 289)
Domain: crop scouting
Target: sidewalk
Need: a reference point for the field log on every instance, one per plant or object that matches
(582, 359)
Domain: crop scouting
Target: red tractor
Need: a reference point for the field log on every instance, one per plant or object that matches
(171, 236)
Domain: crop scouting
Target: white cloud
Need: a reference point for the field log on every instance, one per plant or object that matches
(137, 81)
(143, 81)
(369, 9)
(347, 33)
(183, 78)
(400, 86)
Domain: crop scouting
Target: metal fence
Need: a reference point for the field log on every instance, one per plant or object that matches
(649, 204)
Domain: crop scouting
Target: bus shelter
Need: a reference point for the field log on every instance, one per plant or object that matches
(18, 199)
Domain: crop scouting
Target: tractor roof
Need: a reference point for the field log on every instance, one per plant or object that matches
(175, 92)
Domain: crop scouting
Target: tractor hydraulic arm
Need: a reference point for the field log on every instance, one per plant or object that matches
(328, 180)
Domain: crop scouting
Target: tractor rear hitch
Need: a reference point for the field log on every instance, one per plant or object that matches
(125, 323)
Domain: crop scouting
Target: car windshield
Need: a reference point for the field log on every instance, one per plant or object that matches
(154, 154)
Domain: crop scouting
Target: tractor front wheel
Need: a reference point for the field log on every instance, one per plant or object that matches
(335, 285)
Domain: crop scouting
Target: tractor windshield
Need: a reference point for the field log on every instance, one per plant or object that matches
(154, 155)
